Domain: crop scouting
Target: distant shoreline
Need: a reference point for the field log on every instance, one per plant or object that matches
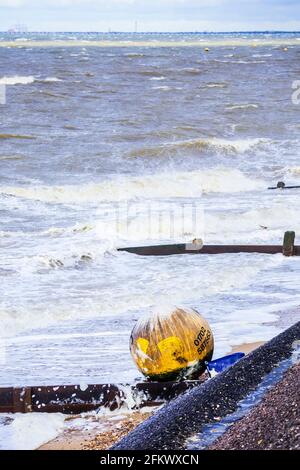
(150, 44)
(150, 39)
(240, 42)
(152, 32)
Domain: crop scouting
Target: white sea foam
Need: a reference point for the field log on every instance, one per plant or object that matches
(261, 224)
(130, 223)
(131, 294)
(26, 80)
(242, 106)
(163, 87)
(295, 170)
(262, 55)
(157, 78)
(173, 184)
(216, 85)
(17, 80)
(51, 80)
(29, 431)
(248, 62)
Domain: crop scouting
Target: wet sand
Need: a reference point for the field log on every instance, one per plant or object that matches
(71, 440)
(106, 439)
(101, 437)
(246, 347)
(93, 439)
(273, 424)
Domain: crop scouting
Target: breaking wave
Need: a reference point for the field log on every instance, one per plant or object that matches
(17, 80)
(199, 145)
(165, 185)
(26, 80)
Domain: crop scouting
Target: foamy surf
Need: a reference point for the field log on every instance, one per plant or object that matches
(26, 80)
(49, 80)
(165, 185)
(163, 87)
(295, 171)
(43, 428)
(259, 223)
(216, 85)
(130, 296)
(157, 78)
(64, 206)
(17, 80)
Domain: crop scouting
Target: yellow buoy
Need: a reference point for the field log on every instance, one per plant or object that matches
(171, 344)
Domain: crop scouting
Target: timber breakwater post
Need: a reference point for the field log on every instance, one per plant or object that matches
(288, 244)
(287, 248)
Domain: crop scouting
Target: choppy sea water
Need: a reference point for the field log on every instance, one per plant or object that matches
(96, 136)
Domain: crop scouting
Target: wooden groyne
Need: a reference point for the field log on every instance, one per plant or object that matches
(73, 399)
(287, 248)
(282, 185)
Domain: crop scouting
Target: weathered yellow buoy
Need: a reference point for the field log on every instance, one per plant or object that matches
(171, 344)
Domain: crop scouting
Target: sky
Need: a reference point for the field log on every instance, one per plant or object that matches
(151, 15)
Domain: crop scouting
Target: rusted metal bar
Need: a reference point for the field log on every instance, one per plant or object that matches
(71, 399)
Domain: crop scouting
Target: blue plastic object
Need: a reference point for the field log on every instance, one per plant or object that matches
(218, 365)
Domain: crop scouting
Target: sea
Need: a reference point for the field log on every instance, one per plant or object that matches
(115, 140)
